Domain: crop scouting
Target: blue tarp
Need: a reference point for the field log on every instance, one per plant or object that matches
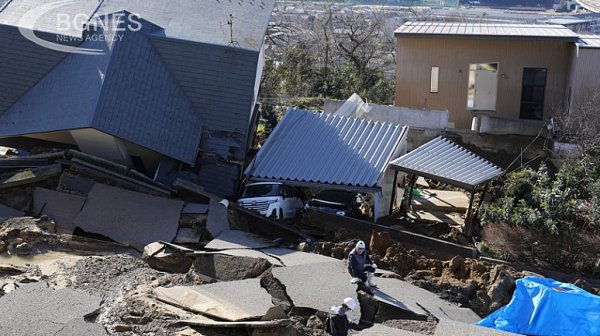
(548, 307)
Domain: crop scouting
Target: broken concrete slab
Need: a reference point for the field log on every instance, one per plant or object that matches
(442, 200)
(28, 176)
(217, 221)
(436, 217)
(127, 216)
(187, 236)
(228, 268)
(318, 286)
(402, 294)
(36, 309)
(452, 328)
(8, 212)
(381, 330)
(74, 183)
(247, 324)
(195, 208)
(290, 257)
(61, 207)
(243, 253)
(231, 300)
(78, 327)
(236, 239)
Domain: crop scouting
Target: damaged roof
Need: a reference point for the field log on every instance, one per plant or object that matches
(327, 149)
(443, 160)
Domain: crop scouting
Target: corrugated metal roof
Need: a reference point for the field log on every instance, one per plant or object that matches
(589, 41)
(327, 148)
(496, 30)
(443, 160)
(591, 5)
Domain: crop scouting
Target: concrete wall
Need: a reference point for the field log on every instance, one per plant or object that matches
(416, 55)
(494, 125)
(431, 119)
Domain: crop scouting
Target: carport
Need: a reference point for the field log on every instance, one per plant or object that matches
(443, 160)
(328, 151)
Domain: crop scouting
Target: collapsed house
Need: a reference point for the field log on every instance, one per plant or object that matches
(152, 87)
(328, 151)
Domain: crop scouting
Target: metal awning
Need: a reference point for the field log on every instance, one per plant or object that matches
(443, 160)
(327, 150)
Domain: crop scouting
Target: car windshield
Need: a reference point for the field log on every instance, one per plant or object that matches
(337, 196)
(261, 190)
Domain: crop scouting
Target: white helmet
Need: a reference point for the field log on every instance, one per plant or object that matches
(360, 245)
(350, 303)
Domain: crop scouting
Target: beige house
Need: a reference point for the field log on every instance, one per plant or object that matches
(517, 75)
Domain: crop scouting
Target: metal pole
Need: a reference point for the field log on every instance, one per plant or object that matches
(410, 195)
(469, 220)
(394, 192)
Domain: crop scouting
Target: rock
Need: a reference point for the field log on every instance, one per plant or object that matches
(456, 264)
(390, 252)
(164, 258)
(314, 322)
(122, 328)
(2, 246)
(477, 267)
(380, 242)
(46, 224)
(501, 290)
(480, 302)
(23, 249)
(323, 248)
(338, 253)
(597, 266)
(304, 247)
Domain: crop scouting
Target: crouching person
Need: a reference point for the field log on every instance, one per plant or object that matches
(337, 323)
(360, 266)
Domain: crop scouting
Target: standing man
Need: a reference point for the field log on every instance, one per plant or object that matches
(360, 266)
(337, 323)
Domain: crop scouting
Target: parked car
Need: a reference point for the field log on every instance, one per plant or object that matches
(272, 199)
(339, 202)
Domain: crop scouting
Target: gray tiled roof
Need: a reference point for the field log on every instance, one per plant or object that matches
(490, 30)
(138, 101)
(442, 159)
(327, 148)
(22, 65)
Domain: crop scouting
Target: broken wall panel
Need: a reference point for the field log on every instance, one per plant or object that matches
(127, 216)
(61, 207)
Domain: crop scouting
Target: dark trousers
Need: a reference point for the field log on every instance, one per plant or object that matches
(363, 275)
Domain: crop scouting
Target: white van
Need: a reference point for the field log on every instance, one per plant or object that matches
(272, 199)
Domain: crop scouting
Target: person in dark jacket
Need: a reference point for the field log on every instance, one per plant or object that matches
(337, 323)
(360, 266)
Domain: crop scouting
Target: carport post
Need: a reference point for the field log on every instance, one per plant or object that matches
(469, 221)
(392, 201)
(412, 182)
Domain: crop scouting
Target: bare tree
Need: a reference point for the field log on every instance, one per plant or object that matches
(581, 123)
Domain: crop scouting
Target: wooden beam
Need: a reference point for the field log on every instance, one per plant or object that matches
(469, 221)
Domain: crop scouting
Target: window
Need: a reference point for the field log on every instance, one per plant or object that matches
(483, 84)
(435, 79)
(532, 94)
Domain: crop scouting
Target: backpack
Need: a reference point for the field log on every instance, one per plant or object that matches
(336, 324)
